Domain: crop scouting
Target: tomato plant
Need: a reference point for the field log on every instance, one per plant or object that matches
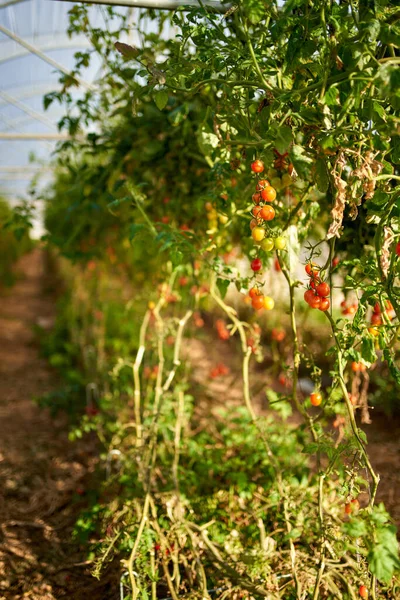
(169, 186)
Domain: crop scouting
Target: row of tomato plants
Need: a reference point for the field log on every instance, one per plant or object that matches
(261, 137)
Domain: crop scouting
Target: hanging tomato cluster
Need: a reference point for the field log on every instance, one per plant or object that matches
(318, 291)
(262, 213)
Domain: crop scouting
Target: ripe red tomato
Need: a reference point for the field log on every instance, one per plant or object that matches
(268, 194)
(253, 223)
(323, 289)
(376, 319)
(398, 248)
(363, 591)
(267, 213)
(308, 295)
(315, 302)
(377, 308)
(277, 265)
(256, 210)
(278, 335)
(256, 264)
(261, 184)
(358, 367)
(258, 302)
(335, 262)
(257, 166)
(256, 198)
(315, 398)
(254, 291)
(324, 304)
(310, 270)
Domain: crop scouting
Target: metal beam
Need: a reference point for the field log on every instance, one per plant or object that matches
(34, 136)
(42, 56)
(17, 168)
(162, 4)
(28, 110)
(10, 3)
(49, 45)
(23, 92)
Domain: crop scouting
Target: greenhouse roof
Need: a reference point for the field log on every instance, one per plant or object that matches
(34, 49)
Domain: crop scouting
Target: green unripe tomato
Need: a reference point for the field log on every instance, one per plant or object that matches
(280, 243)
(286, 180)
(267, 244)
(276, 183)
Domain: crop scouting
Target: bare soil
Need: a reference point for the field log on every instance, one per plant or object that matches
(42, 474)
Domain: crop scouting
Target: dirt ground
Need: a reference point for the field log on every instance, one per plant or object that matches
(41, 471)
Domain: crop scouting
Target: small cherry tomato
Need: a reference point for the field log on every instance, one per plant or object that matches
(258, 234)
(324, 304)
(315, 302)
(309, 268)
(257, 166)
(315, 398)
(267, 213)
(261, 184)
(258, 302)
(280, 243)
(308, 295)
(377, 308)
(398, 248)
(267, 245)
(335, 262)
(268, 194)
(256, 210)
(376, 319)
(277, 265)
(278, 335)
(256, 264)
(268, 303)
(323, 289)
(373, 331)
(208, 206)
(254, 291)
(253, 223)
(256, 198)
(363, 591)
(358, 367)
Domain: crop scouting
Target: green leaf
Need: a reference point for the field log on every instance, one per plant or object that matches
(302, 163)
(355, 528)
(368, 350)
(222, 285)
(383, 558)
(134, 229)
(321, 175)
(207, 141)
(394, 370)
(331, 97)
(161, 99)
(284, 138)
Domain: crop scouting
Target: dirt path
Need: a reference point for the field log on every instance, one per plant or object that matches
(40, 471)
